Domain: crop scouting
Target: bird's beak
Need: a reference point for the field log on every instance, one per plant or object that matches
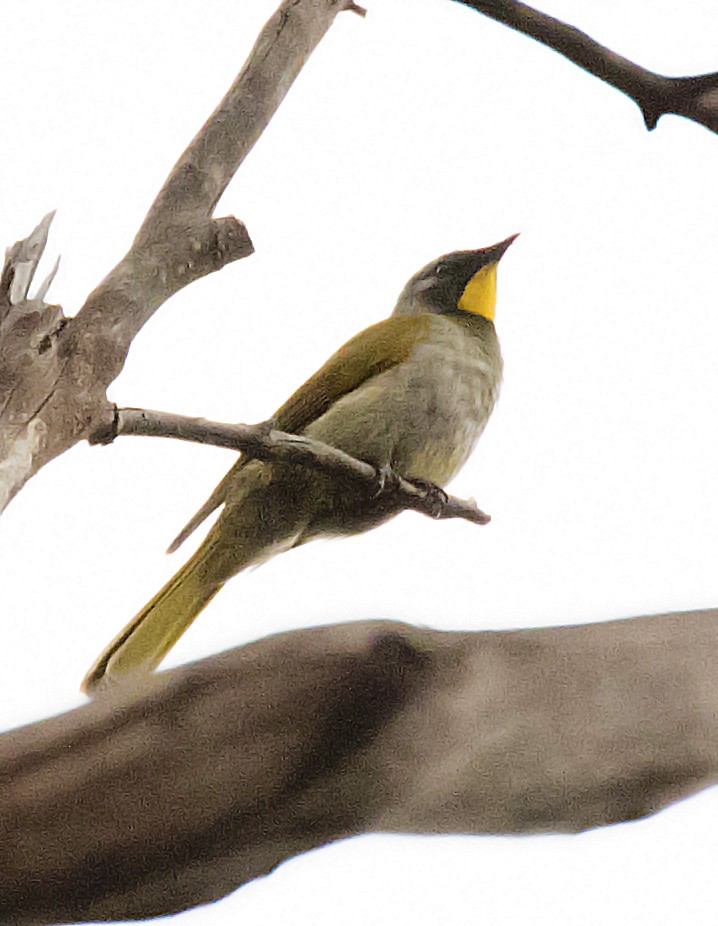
(497, 251)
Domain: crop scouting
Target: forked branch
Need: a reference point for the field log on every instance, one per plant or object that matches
(54, 371)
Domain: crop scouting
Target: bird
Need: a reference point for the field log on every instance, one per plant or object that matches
(410, 394)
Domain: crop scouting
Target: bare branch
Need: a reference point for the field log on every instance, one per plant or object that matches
(695, 98)
(265, 443)
(54, 372)
(178, 788)
(177, 233)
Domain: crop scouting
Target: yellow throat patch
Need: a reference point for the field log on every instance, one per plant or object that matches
(479, 296)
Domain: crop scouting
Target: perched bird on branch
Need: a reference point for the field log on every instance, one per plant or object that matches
(410, 395)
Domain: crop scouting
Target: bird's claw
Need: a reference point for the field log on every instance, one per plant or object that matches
(386, 479)
(436, 498)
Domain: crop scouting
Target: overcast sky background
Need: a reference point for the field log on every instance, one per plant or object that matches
(421, 129)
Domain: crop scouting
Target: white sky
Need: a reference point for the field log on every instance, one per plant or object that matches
(421, 129)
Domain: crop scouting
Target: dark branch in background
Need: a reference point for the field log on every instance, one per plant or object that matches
(265, 443)
(695, 98)
(54, 371)
(180, 787)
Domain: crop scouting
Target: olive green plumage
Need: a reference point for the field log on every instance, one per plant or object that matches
(413, 392)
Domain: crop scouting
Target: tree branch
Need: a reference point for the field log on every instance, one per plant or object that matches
(178, 232)
(269, 444)
(177, 788)
(694, 98)
(54, 371)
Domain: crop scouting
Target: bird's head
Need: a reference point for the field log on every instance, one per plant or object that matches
(462, 281)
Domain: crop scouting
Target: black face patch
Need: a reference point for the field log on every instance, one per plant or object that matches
(439, 286)
(443, 282)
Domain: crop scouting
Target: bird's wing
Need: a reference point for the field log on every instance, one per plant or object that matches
(366, 355)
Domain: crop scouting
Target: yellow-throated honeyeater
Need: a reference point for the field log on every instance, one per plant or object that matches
(413, 392)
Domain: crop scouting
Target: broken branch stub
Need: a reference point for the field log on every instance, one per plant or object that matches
(29, 365)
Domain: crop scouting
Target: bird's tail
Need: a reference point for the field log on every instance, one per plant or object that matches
(270, 512)
(147, 638)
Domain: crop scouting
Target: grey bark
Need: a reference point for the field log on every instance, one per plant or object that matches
(175, 790)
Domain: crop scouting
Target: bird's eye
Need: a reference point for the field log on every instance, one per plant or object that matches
(440, 270)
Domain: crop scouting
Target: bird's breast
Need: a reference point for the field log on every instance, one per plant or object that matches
(452, 386)
(424, 416)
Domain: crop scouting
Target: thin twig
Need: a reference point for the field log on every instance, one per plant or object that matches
(694, 98)
(264, 443)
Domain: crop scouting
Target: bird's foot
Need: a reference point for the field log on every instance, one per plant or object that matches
(436, 498)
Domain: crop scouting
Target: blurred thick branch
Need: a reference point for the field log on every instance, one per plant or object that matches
(54, 371)
(695, 98)
(266, 443)
(180, 787)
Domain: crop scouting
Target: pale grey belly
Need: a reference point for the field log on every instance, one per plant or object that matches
(423, 418)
